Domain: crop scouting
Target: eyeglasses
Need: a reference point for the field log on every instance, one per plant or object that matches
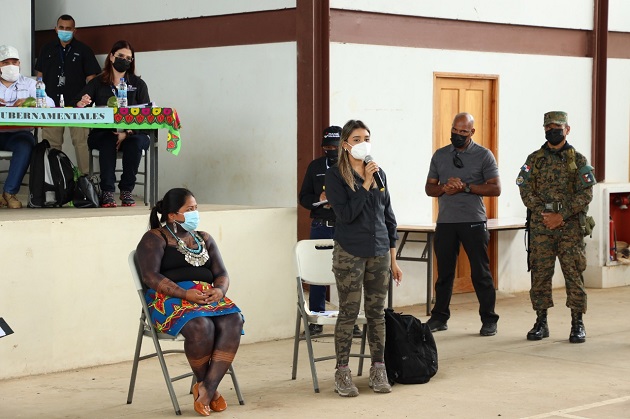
(124, 57)
(463, 132)
(457, 162)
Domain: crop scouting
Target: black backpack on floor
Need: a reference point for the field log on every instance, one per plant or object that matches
(51, 180)
(410, 350)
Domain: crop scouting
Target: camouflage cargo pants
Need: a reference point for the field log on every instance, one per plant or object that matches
(353, 273)
(569, 248)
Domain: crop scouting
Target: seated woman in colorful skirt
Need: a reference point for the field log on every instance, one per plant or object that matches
(187, 284)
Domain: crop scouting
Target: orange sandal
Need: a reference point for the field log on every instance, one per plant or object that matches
(202, 409)
(218, 405)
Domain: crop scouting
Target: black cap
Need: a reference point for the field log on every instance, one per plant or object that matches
(331, 136)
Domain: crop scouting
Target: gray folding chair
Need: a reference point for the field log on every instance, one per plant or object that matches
(146, 329)
(313, 260)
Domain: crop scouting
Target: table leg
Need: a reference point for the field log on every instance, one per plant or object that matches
(153, 169)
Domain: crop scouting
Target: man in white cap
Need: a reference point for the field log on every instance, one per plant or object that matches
(14, 90)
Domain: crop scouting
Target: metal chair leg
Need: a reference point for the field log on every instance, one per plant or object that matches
(167, 377)
(237, 388)
(136, 361)
(296, 345)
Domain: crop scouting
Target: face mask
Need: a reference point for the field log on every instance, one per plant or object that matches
(191, 221)
(10, 73)
(64, 36)
(332, 155)
(555, 136)
(361, 150)
(121, 65)
(457, 140)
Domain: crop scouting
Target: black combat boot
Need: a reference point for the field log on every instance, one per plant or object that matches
(578, 333)
(540, 329)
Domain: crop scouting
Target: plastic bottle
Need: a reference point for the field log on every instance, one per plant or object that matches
(122, 93)
(40, 93)
(62, 102)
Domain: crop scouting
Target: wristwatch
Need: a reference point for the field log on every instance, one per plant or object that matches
(467, 188)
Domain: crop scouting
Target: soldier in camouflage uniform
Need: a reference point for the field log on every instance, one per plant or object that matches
(364, 252)
(556, 186)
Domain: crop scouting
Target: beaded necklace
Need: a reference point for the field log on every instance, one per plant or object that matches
(196, 257)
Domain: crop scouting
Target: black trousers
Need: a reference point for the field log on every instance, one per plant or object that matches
(474, 237)
(105, 142)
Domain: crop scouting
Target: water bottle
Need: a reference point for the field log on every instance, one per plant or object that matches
(122, 93)
(62, 102)
(40, 93)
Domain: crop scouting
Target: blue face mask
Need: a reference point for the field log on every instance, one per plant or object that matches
(191, 221)
(64, 36)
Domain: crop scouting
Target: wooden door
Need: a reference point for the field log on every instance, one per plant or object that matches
(475, 94)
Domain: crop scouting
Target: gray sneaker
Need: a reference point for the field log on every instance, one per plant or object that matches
(378, 379)
(343, 383)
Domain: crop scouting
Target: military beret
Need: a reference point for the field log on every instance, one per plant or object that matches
(556, 117)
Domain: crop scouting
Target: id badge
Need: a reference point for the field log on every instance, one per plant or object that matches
(62, 80)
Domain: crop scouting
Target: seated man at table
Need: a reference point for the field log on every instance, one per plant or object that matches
(14, 90)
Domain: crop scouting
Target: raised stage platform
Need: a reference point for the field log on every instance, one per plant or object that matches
(67, 293)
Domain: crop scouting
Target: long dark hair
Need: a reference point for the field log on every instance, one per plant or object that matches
(172, 202)
(343, 161)
(107, 76)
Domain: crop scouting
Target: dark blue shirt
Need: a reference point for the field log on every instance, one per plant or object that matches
(366, 225)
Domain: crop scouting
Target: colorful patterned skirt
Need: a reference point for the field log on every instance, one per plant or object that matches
(170, 314)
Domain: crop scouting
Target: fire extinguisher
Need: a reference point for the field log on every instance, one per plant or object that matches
(613, 240)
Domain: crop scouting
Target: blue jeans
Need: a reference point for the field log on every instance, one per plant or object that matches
(105, 142)
(21, 143)
(317, 293)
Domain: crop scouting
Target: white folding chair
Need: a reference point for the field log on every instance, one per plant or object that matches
(313, 260)
(146, 329)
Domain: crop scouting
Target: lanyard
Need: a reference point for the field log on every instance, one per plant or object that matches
(63, 58)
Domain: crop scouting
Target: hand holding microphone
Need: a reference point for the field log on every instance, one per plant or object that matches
(377, 176)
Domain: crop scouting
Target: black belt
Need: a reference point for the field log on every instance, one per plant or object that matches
(321, 221)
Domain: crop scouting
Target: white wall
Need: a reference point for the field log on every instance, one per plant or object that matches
(73, 304)
(90, 13)
(238, 111)
(618, 121)
(577, 14)
(619, 10)
(16, 31)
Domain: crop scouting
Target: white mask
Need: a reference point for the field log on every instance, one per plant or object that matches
(10, 72)
(361, 150)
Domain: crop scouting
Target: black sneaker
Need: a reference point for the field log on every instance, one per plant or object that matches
(127, 199)
(357, 332)
(107, 200)
(436, 325)
(488, 329)
(315, 329)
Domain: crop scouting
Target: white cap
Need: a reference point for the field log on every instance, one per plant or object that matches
(7, 51)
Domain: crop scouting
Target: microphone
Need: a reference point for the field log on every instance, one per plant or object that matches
(377, 175)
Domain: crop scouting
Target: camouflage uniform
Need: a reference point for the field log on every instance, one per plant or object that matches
(352, 273)
(548, 184)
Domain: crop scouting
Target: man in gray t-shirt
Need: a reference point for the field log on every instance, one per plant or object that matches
(460, 176)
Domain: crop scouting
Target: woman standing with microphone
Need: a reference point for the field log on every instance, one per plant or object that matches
(364, 252)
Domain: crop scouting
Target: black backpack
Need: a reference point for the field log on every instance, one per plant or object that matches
(51, 180)
(410, 351)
